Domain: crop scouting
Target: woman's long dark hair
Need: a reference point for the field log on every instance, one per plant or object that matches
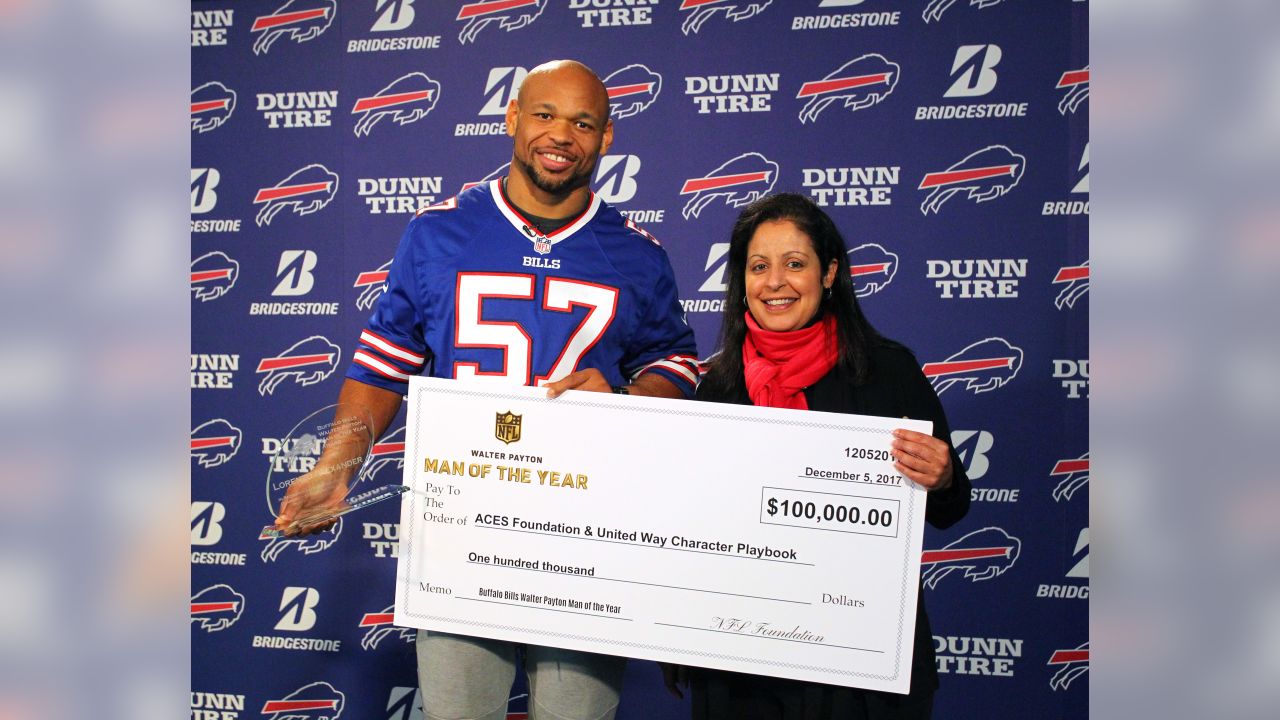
(854, 334)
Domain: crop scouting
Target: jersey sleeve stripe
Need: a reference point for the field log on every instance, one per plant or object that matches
(369, 361)
(681, 366)
(391, 348)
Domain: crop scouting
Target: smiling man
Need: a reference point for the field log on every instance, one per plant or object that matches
(560, 123)
(529, 280)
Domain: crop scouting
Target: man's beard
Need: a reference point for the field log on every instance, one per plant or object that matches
(554, 187)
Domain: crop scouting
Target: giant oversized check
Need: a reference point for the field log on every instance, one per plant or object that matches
(758, 540)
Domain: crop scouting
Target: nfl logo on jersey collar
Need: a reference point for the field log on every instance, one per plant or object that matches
(542, 244)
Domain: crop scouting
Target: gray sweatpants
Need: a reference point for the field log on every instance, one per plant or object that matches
(467, 678)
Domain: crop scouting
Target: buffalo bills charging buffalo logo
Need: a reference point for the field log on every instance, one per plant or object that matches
(387, 453)
(1075, 283)
(317, 701)
(380, 626)
(215, 442)
(1076, 83)
(1072, 664)
(743, 179)
(305, 544)
(701, 11)
(871, 268)
(372, 284)
(982, 554)
(212, 275)
(305, 191)
(631, 90)
(860, 83)
(211, 105)
(216, 607)
(500, 172)
(509, 14)
(934, 9)
(984, 175)
(1074, 475)
(306, 362)
(407, 99)
(981, 367)
(298, 20)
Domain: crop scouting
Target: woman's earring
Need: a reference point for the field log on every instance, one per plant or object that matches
(828, 292)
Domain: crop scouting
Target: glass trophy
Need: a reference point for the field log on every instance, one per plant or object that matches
(316, 473)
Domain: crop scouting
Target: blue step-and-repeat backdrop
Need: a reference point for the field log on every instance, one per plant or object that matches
(949, 139)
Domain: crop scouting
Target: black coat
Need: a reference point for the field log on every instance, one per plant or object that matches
(895, 388)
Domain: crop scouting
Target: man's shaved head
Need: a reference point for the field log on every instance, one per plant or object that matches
(569, 68)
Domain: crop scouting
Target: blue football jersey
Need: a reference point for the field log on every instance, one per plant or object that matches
(475, 291)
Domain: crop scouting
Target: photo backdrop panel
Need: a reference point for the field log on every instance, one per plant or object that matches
(948, 139)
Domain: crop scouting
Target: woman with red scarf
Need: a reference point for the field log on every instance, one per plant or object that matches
(793, 336)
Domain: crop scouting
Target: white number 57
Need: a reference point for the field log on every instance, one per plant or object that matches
(559, 295)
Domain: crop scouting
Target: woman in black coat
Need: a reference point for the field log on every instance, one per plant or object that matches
(793, 336)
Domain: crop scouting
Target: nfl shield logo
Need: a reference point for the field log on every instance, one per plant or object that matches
(507, 427)
(542, 246)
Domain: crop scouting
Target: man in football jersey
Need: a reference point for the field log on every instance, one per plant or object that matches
(533, 280)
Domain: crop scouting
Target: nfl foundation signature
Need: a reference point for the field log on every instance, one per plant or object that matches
(794, 552)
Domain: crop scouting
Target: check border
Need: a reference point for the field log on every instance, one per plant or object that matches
(583, 400)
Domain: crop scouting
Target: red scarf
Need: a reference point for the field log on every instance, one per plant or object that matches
(778, 366)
